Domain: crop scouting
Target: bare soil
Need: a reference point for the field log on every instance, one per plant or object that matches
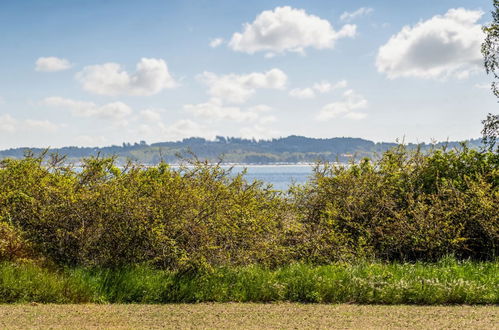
(247, 316)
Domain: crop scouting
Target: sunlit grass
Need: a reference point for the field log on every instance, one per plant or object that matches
(445, 282)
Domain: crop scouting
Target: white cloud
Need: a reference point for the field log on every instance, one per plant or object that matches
(184, 128)
(214, 43)
(345, 108)
(443, 46)
(326, 87)
(7, 123)
(260, 108)
(234, 88)
(150, 115)
(151, 77)
(258, 132)
(92, 141)
(349, 16)
(320, 87)
(116, 111)
(267, 120)
(43, 125)
(10, 125)
(52, 64)
(355, 115)
(214, 110)
(302, 93)
(287, 29)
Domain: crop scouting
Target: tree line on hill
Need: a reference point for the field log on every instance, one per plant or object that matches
(291, 149)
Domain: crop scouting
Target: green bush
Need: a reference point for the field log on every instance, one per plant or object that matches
(12, 246)
(196, 217)
(406, 205)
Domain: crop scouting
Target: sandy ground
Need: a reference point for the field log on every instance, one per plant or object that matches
(248, 316)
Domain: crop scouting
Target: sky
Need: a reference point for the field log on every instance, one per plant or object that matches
(104, 72)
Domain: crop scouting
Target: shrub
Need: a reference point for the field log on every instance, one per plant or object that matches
(406, 205)
(12, 246)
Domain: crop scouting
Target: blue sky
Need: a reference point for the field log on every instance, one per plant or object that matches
(104, 72)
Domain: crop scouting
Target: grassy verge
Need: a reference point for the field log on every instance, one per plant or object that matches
(247, 316)
(445, 282)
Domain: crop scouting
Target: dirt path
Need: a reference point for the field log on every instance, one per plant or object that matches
(252, 316)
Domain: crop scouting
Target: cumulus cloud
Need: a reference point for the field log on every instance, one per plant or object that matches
(443, 46)
(10, 125)
(51, 64)
(260, 108)
(234, 88)
(214, 110)
(287, 29)
(258, 132)
(43, 125)
(267, 120)
(349, 16)
(214, 43)
(91, 141)
(116, 111)
(150, 115)
(302, 93)
(151, 77)
(184, 128)
(320, 87)
(7, 123)
(346, 108)
(326, 87)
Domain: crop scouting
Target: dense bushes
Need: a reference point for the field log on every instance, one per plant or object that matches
(105, 216)
(12, 246)
(404, 206)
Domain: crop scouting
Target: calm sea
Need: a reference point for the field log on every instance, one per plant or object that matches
(280, 176)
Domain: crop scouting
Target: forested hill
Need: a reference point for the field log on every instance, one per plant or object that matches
(291, 149)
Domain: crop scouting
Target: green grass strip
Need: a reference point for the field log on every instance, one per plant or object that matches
(445, 282)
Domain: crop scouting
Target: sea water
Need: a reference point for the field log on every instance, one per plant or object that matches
(280, 176)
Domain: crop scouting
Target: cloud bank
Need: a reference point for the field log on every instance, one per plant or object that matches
(235, 88)
(151, 77)
(346, 108)
(287, 29)
(444, 46)
(51, 64)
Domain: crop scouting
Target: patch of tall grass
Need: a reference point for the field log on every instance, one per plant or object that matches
(445, 282)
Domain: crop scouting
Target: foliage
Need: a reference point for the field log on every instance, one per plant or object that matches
(196, 216)
(12, 246)
(490, 51)
(490, 47)
(406, 205)
(490, 132)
